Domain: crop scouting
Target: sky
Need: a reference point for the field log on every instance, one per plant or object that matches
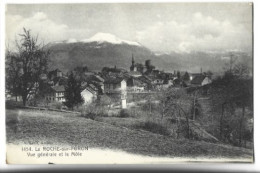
(161, 27)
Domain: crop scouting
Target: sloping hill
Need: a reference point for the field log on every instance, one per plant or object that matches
(38, 127)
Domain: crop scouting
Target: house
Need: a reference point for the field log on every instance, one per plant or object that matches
(135, 85)
(58, 81)
(43, 77)
(167, 83)
(115, 70)
(193, 75)
(201, 80)
(158, 81)
(114, 85)
(147, 81)
(99, 78)
(97, 82)
(89, 94)
(135, 74)
(56, 93)
(55, 73)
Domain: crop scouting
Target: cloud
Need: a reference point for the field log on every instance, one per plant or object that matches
(200, 33)
(39, 24)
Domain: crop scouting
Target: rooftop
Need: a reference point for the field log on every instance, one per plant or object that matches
(113, 80)
(60, 88)
(198, 79)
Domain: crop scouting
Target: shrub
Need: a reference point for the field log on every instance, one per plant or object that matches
(124, 113)
(92, 111)
(37, 101)
(88, 111)
(57, 105)
(154, 127)
(32, 102)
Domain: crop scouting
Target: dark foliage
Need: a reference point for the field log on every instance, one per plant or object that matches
(124, 113)
(73, 92)
(154, 127)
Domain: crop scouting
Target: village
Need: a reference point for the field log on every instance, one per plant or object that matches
(140, 78)
(178, 104)
(116, 107)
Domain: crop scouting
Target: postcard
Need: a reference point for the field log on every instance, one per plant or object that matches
(129, 83)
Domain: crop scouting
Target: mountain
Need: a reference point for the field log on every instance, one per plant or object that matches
(109, 38)
(105, 49)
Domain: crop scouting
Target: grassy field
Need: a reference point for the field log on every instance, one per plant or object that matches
(47, 127)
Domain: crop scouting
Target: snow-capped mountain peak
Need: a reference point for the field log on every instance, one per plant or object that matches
(110, 38)
(70, 40)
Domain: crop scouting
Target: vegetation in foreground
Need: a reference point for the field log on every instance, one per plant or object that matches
(47, 127)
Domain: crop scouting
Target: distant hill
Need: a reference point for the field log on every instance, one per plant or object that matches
(107, 50)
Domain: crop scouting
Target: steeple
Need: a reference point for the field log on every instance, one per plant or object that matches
(133, 60)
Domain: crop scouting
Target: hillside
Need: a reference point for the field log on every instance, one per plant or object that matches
(55, 128)
(108, 50)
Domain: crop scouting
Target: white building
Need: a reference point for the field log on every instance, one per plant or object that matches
(89, 95)
(114, 85)
(56, 94)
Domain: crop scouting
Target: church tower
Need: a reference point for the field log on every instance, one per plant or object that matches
(133, 60)
(133, 67)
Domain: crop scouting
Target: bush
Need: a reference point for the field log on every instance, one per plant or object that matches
(124, 113)
(154, 127)
(32, 102)
(92, 111)
(38, 101)
(57, 105)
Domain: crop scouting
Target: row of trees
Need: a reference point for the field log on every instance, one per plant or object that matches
(230, 100)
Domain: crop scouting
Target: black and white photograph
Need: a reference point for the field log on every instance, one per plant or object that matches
(129, 83)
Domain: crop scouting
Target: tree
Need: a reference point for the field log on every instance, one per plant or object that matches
(195, 105)
(177, 104)
(231, 91)
(186, 76)
(222, 97)
(178, 74)
(26, 66)
(80, 71)
(243, 93)
(73, 92)
(13, 75)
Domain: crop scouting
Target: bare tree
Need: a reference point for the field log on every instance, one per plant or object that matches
(178, 105)
(27, 65)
